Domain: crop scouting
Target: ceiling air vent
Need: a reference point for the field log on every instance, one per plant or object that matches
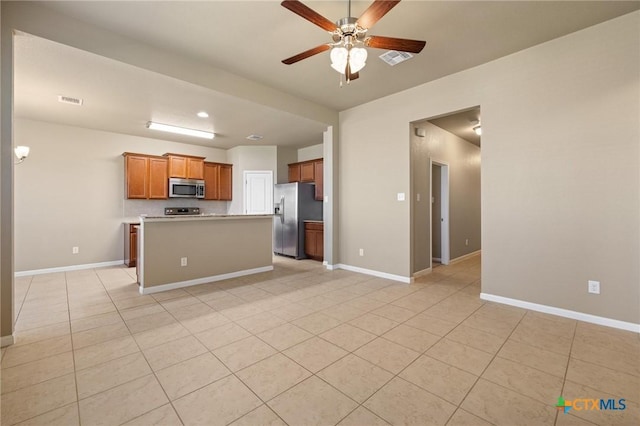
(254, 137)
(393, 57)
(69, 100)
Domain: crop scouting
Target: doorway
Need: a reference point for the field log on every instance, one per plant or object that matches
(258, 192)
(439, 213)
(445, 190)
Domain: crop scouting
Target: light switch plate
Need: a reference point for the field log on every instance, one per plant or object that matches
(400, 196)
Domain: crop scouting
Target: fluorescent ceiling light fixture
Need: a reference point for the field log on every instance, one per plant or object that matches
(180, 130)
(203, 114)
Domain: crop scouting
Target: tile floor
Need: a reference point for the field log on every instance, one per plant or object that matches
(303, 346)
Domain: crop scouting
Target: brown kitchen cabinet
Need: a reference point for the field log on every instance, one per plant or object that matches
(226, 181)
(314, 240)
(145, 176)
(218, 181)
(309, 171)
(185, 166)
(294, 172)
(131, 244)
(319, 179)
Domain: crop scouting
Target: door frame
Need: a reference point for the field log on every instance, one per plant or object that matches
(245, 182)
(445, 255)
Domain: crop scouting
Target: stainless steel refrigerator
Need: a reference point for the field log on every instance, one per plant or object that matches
(293, 204)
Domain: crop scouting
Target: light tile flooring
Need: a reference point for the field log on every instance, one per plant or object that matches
(303, 346)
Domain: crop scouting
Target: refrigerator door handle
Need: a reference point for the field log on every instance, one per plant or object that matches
(282, 209)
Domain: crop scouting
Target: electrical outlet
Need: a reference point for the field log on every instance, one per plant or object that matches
(400, 196)
(183, 261)
(75, 250)
(466, 242)
(361, 252)
(594, 287)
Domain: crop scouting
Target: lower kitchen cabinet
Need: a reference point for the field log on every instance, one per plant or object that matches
(130, 244)
(314, 240)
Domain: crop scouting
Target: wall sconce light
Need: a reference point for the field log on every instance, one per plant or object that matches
(478, 130)
(22, 152)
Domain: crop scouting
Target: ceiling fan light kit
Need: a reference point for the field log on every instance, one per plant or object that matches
(349, 35)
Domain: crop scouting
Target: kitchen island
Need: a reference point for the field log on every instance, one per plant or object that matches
(180, 251)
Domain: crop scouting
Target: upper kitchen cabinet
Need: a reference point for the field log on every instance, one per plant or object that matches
(185, 166)
(218, 181)
(226, 180)
(211, 181)
(294, 172)
(319, 178)
(309, 171)
(145, 176)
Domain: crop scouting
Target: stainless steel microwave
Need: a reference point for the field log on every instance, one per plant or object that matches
(186, 188)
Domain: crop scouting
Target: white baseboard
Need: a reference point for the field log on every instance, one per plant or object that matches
(68, 268)
(594, 319)
(465, 257)
(6, 340)
(375, 273)
(331, 267)
(205, 280)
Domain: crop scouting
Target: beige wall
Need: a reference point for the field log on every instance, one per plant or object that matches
(6, 182)
(240, 244)
(286, 156)
(310, 152)
(554, 117)
(463, 159)
(70, 192)
(249, 158)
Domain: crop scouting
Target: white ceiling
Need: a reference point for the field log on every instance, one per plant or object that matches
(250, 38)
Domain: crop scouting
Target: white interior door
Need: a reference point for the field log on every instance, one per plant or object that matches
(258, 192)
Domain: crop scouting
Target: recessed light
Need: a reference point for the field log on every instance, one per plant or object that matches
(254, 137)
(180, 130)
(202, 114)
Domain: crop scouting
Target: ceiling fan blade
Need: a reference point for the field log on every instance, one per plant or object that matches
(400, 44)
(375, 11)
(309, 14)
(306, 54)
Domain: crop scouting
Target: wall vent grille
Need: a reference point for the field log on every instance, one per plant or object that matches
(69, 100)
(393, 57)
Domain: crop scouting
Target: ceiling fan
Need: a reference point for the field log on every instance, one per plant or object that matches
(349, 34)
